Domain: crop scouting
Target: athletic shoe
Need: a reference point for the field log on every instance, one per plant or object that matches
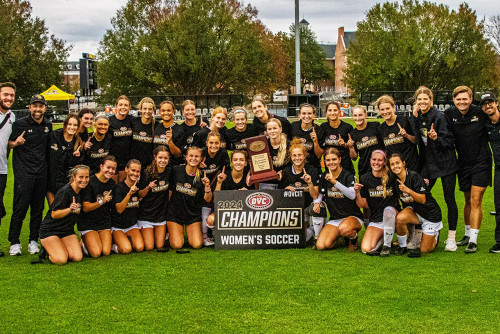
(495, 249)
(208, 242)
(401, 251)
(386, 251)
(15, 250)
(464, 241)
(33, 247)
(84, 250)
(43, 253)
(353, 244)
(374, 252)
(414, 252)
(471, 248)
(114, 248)
(451, 245)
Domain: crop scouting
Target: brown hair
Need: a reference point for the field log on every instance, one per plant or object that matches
(462, 89)
(149, 100)
(122, 97)
(76, 136)
(305, 105)
(360, 106)
(133, 161)
(186, 103)
(7, 84)
(72, 171)
(152, 170)
(385, 99)
(168, 102)
(214, 134)
(336, 103)
(84, 111)
(197, 176)
(423, 90)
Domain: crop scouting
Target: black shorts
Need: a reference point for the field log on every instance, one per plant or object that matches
(477, 175)
(60, 234)
(185, 221)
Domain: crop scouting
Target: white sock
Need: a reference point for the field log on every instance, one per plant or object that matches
(402, 240)
(467, 230)
(309, 233)
(318, 225)
(452, 234)
(354, 236)
(389, 221)
(473, 235)
(205, 212)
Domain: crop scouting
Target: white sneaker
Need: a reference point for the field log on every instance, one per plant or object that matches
(33, 247)
(207, 242)
(451, 245)
(15, 250)
(84, 249)
(114, 248)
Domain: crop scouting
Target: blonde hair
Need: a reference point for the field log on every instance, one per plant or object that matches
(149, 100)
(72, 171)
(385, 177)
(360, 106)
(186, 103)
(122, 97)
(197, 176)
(385, 99)
(462, 89)
(218, 110)
(281, 157)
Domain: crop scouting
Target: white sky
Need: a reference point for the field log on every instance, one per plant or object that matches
(84, 22)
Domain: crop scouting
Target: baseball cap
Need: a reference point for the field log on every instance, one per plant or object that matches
(38, 98)
(488, 96)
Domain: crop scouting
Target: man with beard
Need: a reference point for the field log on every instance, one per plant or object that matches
(489, 104)
(7, 117)
(29, 139)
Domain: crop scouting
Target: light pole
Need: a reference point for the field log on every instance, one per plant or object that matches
(78, 99)
(298, 89)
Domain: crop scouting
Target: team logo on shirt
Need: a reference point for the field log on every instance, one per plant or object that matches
(133, 203)
(46, 129)
(332, 140)
(334, 192)
(142, 137)
(143, 134)
(54, 147)
(379, 192)
(101, 153)
(123, 128)
(187, 186)
(101, 150)
(393, 139)
(406, 198)
(186, 189)
(474, 119)
(259, 201)
(364, 138)
(190, 140)
(392, 135)
(367, 142)
(240, 146)
(162, 186)
(122, 132)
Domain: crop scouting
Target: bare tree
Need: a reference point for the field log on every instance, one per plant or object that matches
(493, 31)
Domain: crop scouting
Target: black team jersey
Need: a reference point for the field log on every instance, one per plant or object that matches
(339, 206)
(373, 191)
(121, 142)
(430, 210)
(229, 184)
(190, 130)
(128, 217)
(142, 145)
(261, 128)
(274, 157)
(393, 142)
(471, 136)
(154, 205)
(98, 151)
(200, 137)
(289, 178)
(66, 224)
(365, 142)
(100, 218)
(234, 138)
(187, 197)
(214, 164)
(61, 159)
(297, 132)
(329, 137)
(178, 136)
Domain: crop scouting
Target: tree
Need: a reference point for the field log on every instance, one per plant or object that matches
(29, 57)
(403, 46)
(312, 57)
(493, 31)
(188, 47)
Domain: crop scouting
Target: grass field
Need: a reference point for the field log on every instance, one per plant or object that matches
(262, 291)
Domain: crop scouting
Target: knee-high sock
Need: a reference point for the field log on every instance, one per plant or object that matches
(389, 221)
(318, 225)
(205, 212)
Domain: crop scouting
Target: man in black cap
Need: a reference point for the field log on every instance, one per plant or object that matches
(29, 139)
(489, 104)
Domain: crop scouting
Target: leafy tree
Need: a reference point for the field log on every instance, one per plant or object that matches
(30, 57)
(403, 46)
(188, 47)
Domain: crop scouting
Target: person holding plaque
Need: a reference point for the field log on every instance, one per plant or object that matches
(278, 149)
(236, 136)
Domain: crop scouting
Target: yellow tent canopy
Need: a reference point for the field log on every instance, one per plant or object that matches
(54, 93)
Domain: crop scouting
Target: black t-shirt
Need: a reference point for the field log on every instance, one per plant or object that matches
(339, 206)
(190, 130)
(261, 128)
(274, 157)
(395, 143)
(62, 200)
(200, 137)
(430, 210)
(229, 184)
(98, 151)
(178, 137)
(494, 137)
(61, 159)
(142, 144)
(289, 178)
(297, 132)
(100, 218)
(128, 217)
(329, 137)
(121, 142)
(215, 164)
(154, 205)
(471, 137)
(365, 142)
(234, 138)
(187, 197)
(373, 191)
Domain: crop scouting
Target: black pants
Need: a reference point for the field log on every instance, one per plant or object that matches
(449, 183)
(3, 184)
(496, 194)
(29, 192)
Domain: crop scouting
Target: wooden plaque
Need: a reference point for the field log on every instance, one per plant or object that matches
(259, 158)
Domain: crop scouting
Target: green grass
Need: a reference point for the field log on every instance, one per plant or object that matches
(282, 291)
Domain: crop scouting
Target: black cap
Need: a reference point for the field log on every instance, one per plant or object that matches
(488, 96)
(38, 98)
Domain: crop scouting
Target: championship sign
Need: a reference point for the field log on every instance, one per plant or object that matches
(259, 219)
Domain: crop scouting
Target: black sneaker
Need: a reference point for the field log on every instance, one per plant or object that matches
(464, 241)
(353, 244)
(375, 252)
(414, 252)
(401, 251)
(495, 249)
(386, 251)
(471, 248)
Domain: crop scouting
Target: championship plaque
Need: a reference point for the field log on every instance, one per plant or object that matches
(261, 164)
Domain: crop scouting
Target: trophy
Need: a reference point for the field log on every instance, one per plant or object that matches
(259, 158)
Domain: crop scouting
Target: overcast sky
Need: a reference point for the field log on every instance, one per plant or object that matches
(84, 22)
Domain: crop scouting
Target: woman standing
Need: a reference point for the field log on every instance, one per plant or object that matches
(120, 128)
(419, 207)
(95, 220)
(143, 132)
(86, 117)
(376, 192)
(64, 153)
(57, 233)
(217, 123)
(98, 145)
(170, 134)
(278, 149)
(191, 124)
(262, 116)
(155, 194)
(437, 149)
(337, 191)
(335, 133)
(306, 130)
(242, 130)
(189, 190)
(126, 210)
